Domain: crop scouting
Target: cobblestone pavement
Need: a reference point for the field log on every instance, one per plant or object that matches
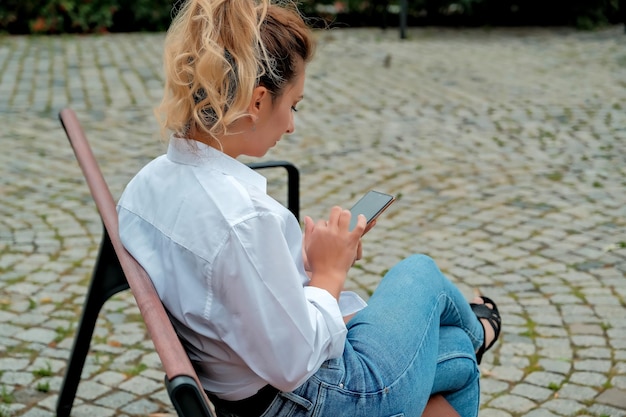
(506, 148)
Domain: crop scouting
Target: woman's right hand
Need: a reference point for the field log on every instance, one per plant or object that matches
(331, 248)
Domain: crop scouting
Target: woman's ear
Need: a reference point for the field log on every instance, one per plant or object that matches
(258, 95)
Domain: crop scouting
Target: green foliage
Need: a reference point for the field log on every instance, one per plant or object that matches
(584, 14)
(143, 15)
(5, 396)
(83, 16)
(56, 16)
(43, 386)
(41, 372)
(96, 16)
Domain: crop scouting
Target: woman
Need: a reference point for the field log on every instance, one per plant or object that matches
(258, 304)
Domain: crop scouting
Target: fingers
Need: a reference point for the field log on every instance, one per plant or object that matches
(359, 252)
(344, 219)
(341, 219)
(361, 225)
(329, 245)
(369, 226)
(335, 216)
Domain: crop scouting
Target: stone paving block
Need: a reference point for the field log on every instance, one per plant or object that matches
(613, 397)
(592, 379)
(505, 373)
(32, 319)
(151, 360)
(49, 403)
(16, 378)
(127, 356)
(116, 400)
(544, 379)
(595, 353)
(567, 407)
(619, 382)
(110, 378)
(532, 392)
(140, 385)
(163, 398)
(490, 412)
(54, 383)
(93, 411)
(90, 390)
(37, 412)
(13, 364)
(593, 365)
(605, 410)
(586, 329)
(46, 365)
(555, 366)
(154, 374)
(141, 407)
(618, 345)
(493, 386)
(541, 413)
(513, 403)
(577, 392)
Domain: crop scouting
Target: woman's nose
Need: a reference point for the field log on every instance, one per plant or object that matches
(291, 127)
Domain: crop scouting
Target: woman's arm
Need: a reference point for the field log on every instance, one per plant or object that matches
(282, 331)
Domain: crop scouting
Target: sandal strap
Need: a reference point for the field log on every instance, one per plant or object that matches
(492, 315)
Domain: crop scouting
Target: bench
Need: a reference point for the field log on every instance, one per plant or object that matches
(116, 270)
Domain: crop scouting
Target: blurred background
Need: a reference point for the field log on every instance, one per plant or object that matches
(101, 16)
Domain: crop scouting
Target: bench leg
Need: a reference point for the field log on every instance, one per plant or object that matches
(106, 281)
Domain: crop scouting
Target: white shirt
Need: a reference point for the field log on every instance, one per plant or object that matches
(226, 260)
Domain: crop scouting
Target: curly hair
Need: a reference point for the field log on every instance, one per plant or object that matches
(217, 51)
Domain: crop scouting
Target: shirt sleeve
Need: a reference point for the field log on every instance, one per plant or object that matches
(280, 329)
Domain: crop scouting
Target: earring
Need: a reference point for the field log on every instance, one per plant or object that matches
(253, 127)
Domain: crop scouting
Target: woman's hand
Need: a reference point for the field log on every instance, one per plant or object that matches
(359, 252)
(330, 249)
(359, 249)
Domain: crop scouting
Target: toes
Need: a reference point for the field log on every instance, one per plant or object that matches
(477, 300)
(481, 300)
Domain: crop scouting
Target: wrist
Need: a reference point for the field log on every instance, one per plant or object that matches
(329, 281)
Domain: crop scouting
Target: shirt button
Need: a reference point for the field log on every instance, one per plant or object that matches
(340, 385)
(386, 390)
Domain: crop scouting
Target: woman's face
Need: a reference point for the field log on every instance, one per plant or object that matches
(276, 117)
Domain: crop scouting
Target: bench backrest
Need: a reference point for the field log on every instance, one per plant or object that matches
(181, 379)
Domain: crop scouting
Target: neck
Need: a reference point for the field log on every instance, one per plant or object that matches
(232, 144)
(220, 143)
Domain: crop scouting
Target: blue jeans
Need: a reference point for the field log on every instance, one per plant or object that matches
(416, 337)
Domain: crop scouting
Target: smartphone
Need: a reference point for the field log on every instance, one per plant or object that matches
(372, 204)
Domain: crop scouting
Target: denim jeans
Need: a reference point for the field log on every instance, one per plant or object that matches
(416, 337)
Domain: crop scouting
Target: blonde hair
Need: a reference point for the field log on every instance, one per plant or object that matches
(217, 51)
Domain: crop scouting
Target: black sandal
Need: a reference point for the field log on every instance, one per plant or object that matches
(492, 315)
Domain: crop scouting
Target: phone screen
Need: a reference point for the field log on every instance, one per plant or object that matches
(371, 205)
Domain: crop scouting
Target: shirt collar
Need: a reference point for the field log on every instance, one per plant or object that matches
(192, 152)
